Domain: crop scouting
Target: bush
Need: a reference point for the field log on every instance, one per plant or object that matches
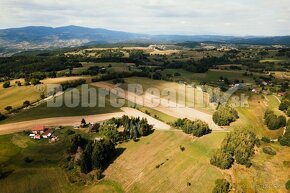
(287, 185)
(266, 139)
(269, 150)
(2, 117)
(225, 115)
(222, 159)
(221, 186)
(8, 108)
(6, 84)
(26, 103)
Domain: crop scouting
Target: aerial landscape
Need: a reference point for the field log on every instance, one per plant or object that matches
(144, 96)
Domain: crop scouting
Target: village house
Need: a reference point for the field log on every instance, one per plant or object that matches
(40, 131)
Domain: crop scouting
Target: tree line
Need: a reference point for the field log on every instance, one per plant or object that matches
(239, 146)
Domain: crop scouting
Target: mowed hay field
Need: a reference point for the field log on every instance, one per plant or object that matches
(268, 174)
(44, 111)
(185, 94)
(15, 96)
(156, 163)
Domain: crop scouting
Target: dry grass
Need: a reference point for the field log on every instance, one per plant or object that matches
(136, 168)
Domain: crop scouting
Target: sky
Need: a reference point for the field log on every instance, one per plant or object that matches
(184, 17)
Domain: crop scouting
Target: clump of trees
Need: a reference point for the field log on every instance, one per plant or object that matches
(239, 146)
(285, 104)
(225, 115)
(285, 139)
(133, 128)
(197, 128)
(221, 186)
(273, 121)
(95, 155)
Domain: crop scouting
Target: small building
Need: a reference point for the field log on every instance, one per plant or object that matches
(39, 129)
(47, 133)
(32, 135)
(95, 128)
(37, 137)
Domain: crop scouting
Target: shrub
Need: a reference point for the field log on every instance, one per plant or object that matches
(266, 139)
(2, 117)
(6, 84)
(269, 150)
(222, 159)
(221, 186)
(26, 103)
(287, 185)
(8, 108)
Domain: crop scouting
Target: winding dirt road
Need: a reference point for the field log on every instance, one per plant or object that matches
(75, 121)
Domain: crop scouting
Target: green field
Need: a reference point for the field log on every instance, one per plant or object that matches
(185, 94)
(137, 170)
(43, 111)
(253, 116)
(15, 96)
(128, 173)
(43, 174)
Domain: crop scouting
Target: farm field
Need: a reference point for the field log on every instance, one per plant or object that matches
(185, 94)
(43, 174)
(134, 175)
(265, 167)
(43, 111)
(15, 96)
(211, 77)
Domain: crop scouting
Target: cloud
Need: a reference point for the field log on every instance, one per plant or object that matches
(227, 17)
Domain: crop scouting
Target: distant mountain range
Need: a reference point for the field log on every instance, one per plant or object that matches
(38, 37)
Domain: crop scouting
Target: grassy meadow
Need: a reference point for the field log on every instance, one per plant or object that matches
(43, 111)
(128, 173)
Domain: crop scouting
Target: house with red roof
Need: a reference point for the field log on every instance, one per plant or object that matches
(38, 129)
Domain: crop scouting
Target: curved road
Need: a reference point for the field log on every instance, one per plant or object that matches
(75, 121)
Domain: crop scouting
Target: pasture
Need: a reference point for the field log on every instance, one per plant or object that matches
(15, 96)
(127, 173)
(157, 163)
(43, 111)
